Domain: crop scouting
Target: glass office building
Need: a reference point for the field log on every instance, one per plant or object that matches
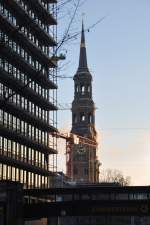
(28, 91)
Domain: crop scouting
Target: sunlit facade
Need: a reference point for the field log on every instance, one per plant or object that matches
(28, 91)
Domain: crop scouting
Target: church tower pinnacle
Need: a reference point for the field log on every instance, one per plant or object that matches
(85, 166)
(83, 57)
(83, 107)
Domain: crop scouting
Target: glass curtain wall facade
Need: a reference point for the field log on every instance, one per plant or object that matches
(28, 91)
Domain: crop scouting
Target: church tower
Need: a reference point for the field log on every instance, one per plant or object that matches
(85, 166)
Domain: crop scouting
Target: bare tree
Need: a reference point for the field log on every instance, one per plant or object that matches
(114, 176)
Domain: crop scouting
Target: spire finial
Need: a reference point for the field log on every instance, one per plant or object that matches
(82, 36)
(83, 58)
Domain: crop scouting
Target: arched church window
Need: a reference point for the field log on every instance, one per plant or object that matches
(77, 88)
(90, 118)
(74, 118)
(82, 89)
(82, 117)
(89, 88)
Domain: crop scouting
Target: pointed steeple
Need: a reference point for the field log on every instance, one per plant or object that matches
(83, 67)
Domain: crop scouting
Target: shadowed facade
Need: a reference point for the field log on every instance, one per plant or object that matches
(85, 166)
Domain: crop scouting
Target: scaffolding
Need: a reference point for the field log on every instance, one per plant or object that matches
(28, 91)
(71, 140)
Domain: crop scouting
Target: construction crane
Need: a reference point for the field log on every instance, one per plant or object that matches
(72, 139)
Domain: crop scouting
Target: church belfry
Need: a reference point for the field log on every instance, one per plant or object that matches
(85, 166)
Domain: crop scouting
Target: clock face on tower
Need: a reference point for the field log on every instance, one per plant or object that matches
(81, 149)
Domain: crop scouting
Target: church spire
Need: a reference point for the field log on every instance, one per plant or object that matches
(82, 165)
(83, 67)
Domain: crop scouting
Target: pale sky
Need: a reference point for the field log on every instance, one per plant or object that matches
(118, 51)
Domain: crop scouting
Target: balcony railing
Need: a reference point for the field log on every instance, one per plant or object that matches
(42, 12)
(20, 88)
(24, 41)
(19, 157)
(26, 116)
(23, 165)
(20, 63)
(24, 139)
(21, 14)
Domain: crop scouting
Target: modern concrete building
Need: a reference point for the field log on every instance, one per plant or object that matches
(28, 91)
(85, 166)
